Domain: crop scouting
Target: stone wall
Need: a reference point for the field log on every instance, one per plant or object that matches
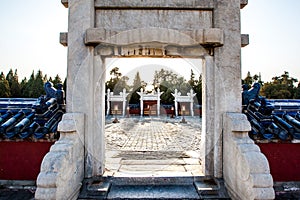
(62, 169)
(245, 169)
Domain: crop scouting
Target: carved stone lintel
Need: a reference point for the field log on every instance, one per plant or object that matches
(209, 37)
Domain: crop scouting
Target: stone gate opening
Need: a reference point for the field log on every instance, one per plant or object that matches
(147, 136)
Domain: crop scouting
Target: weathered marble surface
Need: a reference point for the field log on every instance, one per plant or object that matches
(174, 27)
(62, 169)
(246, 170)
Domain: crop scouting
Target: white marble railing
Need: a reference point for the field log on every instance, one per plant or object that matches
(62, 169)
(245, 169)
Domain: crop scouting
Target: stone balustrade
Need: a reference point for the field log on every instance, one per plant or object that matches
(62, 169)
(245, 169)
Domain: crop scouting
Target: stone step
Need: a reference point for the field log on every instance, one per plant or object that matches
(153, 188)
(95, 188)
(179, 180)
(152, 192)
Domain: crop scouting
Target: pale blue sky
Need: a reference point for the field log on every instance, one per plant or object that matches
(29, 37)
(274, 29)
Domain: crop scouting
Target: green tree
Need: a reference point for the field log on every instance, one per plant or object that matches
(249, 80)
(297, 92)
(136, 86)
(198, 89)
(196, 86)
(168, 81)
(56, 80)
(65, 85)
(38, 88)
(192, 81)
(27, 86)
(35, 85)
(281, 87)
(117, 82)
(15, 87)
(4, 87)
(23, 85)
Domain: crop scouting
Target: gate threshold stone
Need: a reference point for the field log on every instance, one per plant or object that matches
(198, 187)
(153, 192)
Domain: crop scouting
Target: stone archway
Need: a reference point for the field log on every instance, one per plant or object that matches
(206, 29)
(133, 28)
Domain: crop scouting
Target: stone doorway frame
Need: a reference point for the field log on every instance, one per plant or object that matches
(208, 144)
(220, 36)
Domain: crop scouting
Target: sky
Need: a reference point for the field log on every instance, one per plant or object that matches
(29, 38)
(274, 30)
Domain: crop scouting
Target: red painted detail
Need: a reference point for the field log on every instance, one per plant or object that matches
(284, 160)
(21, 160)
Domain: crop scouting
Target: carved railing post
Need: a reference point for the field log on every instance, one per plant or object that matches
(62, 169)
(245, 169)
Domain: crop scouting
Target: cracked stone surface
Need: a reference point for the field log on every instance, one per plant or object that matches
(153, 147)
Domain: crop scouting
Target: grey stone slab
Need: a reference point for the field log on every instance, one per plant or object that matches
(153, 174)
(153, 192)
(141, 168)
(153, 162)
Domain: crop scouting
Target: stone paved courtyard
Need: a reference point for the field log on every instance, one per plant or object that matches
(153, 147)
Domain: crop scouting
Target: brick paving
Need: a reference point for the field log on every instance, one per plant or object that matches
(153, 147)
(153, 135)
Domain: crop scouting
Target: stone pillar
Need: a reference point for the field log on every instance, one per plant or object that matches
(227, 70)
(84, 84)
(176, 103)
(124, 102)
(108, 101)
(192, 102)
(141, 101)
(207, 136)
(158, 102)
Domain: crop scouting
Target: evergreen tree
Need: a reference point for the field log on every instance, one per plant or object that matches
(198, 89)
(168, 81)
(117, 82)
(9, 76)
(35, 85)
(38, 88)
(248, 80)
(4, 87)
(297, 92)
(27, 86)
(192, 81)
(65, 85)
(136, 86)
(23, 85)
(15, 87)
(56, 80)
(281, 87)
